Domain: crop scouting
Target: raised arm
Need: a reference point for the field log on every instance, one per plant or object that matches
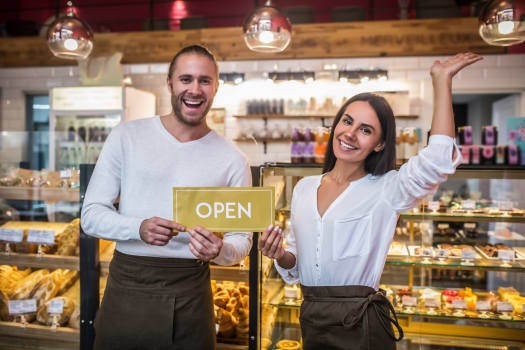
(423, 173)
(442, 74)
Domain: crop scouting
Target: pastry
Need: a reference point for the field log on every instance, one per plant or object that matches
(286, 344)
(45, 318)
(74, 319)
(226, 324)
(24, 287)
(4, 307)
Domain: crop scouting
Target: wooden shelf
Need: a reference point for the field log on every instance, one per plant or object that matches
(304, 116)
(282, 116)
(45, 261)
(229, 273)
(37, 331)
(257, 139)
(40, 193)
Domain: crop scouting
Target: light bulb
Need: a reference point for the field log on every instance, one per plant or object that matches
(266, 37)
(71, 44)
(505, 27)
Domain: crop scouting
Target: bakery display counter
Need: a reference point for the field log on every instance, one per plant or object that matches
(40, 193)
(462, 249)
(41, 261)
(37, 331)
(504, 217)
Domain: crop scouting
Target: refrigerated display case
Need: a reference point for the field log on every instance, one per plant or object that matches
(455, 272)
(81, 118)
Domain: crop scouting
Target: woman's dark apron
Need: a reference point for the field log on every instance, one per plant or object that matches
(347, 317)
(156, 303)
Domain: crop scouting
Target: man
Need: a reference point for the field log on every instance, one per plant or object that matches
(158, 294)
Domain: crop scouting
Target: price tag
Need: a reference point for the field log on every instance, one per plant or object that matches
(503, 306)
(483, 305)
(216, 329)
(505, 205)
(469, 226)
(468, 254)
(443, 226)
(65, 174)
(468, 204)
(442, 253)
(431, 302)
(41, 237)
(426, 252)
(459, 304)
(56, 306)
(506, 254)
(21, 307)
(434, 205)
(409, 301)
(11, 235)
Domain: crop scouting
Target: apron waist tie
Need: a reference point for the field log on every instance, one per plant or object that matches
(375, 300)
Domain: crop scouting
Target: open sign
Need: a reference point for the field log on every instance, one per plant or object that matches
(224, 209)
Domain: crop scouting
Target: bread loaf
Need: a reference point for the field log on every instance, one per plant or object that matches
(4, 307)
(24, 287)
(68, 278)
(74, 320)
(45, 318)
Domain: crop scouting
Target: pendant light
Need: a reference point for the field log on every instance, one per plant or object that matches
(502, 22)
(70, 37)
(267, 29)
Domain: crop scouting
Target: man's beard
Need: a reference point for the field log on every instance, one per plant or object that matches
(177, 110)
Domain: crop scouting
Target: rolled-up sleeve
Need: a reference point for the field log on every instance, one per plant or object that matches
(423, 173)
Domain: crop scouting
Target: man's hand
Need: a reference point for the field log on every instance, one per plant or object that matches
(159, 231)
(204, 244)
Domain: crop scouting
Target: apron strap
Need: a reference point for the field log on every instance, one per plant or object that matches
(377, 300)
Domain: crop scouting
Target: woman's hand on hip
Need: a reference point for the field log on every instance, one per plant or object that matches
(271, 242)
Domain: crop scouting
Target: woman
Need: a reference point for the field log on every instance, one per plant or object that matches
(343, 221)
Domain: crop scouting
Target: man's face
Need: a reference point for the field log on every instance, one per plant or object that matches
(193, 86)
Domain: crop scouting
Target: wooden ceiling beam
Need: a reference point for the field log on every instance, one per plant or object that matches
(320, 40)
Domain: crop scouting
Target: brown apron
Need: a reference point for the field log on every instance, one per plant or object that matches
(156, 303)
(347, 317)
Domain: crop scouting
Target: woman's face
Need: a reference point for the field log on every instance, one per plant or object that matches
(357, 134)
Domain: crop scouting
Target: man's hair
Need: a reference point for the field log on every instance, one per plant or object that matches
(196, 50)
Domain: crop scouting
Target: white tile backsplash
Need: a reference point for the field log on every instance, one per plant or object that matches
(408, 73)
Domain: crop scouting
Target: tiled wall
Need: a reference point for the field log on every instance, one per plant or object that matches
(496, 73)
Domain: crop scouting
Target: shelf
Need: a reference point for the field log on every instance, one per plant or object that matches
(305, 116)
(463, 171)
(229, 273)
(257, 139)
(45, 261)
(225, 346)
(455, 264)
(40, 193)
(36, 331)
(283, 116)
(462, 218)
(493, 317)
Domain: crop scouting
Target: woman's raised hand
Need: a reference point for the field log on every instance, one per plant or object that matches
(448, 68)
(271, 242)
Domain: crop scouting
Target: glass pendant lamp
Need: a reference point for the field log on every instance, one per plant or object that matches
(502, 22)
(267, 29)
(70, 37)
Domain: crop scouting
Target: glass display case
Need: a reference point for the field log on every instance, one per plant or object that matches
(39, 251)
(455, 271)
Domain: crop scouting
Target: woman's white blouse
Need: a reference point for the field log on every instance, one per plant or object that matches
(349, 244)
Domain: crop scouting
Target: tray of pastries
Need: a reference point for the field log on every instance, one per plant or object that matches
(491, 251)
(398, 249)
